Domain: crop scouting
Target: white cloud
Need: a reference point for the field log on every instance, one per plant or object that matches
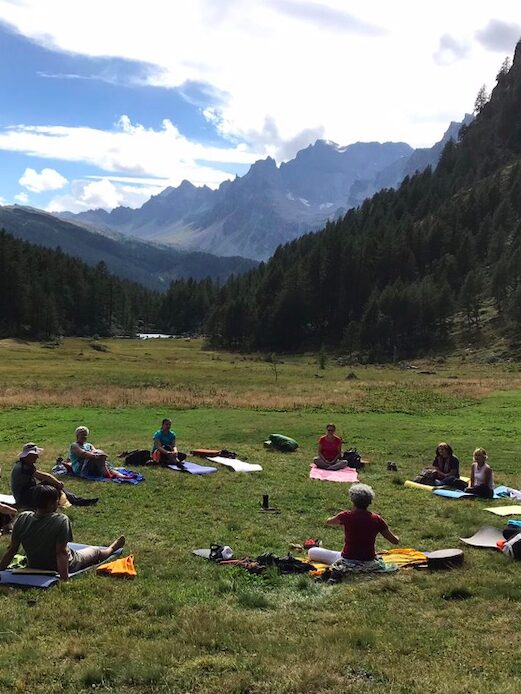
(129, 148)
(47, 179)
(499, 36)
(22, 198)
(106, 193)
(2, 201)
(362, 74)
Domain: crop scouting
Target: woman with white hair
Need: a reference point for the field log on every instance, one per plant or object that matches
(88, 461)
(360, 530)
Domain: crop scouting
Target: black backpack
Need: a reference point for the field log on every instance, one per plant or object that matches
(137, 457)
(354, 459)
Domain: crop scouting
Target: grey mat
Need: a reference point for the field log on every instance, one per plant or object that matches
(487, 536)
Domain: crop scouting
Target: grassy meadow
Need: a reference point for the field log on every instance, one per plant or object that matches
(185, 625)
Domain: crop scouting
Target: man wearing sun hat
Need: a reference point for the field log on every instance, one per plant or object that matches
(25, 477)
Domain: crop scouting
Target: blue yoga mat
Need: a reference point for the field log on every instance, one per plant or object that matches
(194, 468)
(45, 580)
(136, 478)
(499, 493)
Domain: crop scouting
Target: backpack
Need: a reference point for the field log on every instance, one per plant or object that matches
(282, 443)
(137, 457)
(354, 459)
(512, 548)
(426, 476)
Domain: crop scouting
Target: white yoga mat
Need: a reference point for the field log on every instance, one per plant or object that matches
(236, 464)
(7, 499)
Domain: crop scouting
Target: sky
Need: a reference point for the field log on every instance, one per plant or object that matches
(107, 102)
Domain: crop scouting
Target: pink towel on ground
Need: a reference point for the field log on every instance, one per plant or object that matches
(347, 474)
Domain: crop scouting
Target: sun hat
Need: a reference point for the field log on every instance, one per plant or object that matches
(30, 448)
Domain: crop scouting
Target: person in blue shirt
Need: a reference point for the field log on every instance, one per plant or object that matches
(164, 449)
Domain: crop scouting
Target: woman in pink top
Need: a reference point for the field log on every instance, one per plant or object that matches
(330, 451)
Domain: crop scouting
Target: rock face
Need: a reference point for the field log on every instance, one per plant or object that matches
(270, 205)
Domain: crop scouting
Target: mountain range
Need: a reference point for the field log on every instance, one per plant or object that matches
(150, 264)
(270, 205)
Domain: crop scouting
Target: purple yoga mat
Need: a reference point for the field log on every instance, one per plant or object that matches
(194, 468)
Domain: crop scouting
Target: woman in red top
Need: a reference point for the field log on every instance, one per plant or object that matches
(361, 527)
(330, 451)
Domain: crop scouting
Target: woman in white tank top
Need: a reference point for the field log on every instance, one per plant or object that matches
(481, 476)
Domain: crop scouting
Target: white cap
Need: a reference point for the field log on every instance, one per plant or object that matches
(30, 448)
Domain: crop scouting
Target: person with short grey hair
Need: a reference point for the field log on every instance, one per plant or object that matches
(361, 528)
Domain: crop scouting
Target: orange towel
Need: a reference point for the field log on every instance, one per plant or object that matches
(123, 567)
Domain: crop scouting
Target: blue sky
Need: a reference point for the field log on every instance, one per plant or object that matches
(107, 103)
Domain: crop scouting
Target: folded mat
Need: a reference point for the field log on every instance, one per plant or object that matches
(499, 493)
(347, 474)
(7, 499)
(193, 468)
(205, 452)
(26, 577)
(487, 536)
(236, 464)
(131, 477)
(505, 510)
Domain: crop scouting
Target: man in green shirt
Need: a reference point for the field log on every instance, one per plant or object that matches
(44, 535)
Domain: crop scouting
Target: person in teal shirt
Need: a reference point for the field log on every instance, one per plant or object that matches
(164, 449)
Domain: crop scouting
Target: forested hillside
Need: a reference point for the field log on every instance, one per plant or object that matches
(44, 293)
(389, 277)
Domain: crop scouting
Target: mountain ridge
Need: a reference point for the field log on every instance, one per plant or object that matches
(253, 214)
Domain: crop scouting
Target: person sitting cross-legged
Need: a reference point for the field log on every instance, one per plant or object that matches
(481, 476)
(44, 535)
(164, 449)
(330, 451)
(360, 530)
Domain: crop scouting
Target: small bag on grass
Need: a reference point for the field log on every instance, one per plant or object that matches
(426, 476)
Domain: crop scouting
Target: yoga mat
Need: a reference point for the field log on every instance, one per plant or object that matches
(133, 477)
(505, 510)
(236, 464)
(347, 474)
(453, 494)
(417, 485)
(429, 487)
(487, 536)
(499, 493)
(24, 577)
(7, 499)
(323, 555)
(194, 468)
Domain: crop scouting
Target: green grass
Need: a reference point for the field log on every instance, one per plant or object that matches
(185, 625)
